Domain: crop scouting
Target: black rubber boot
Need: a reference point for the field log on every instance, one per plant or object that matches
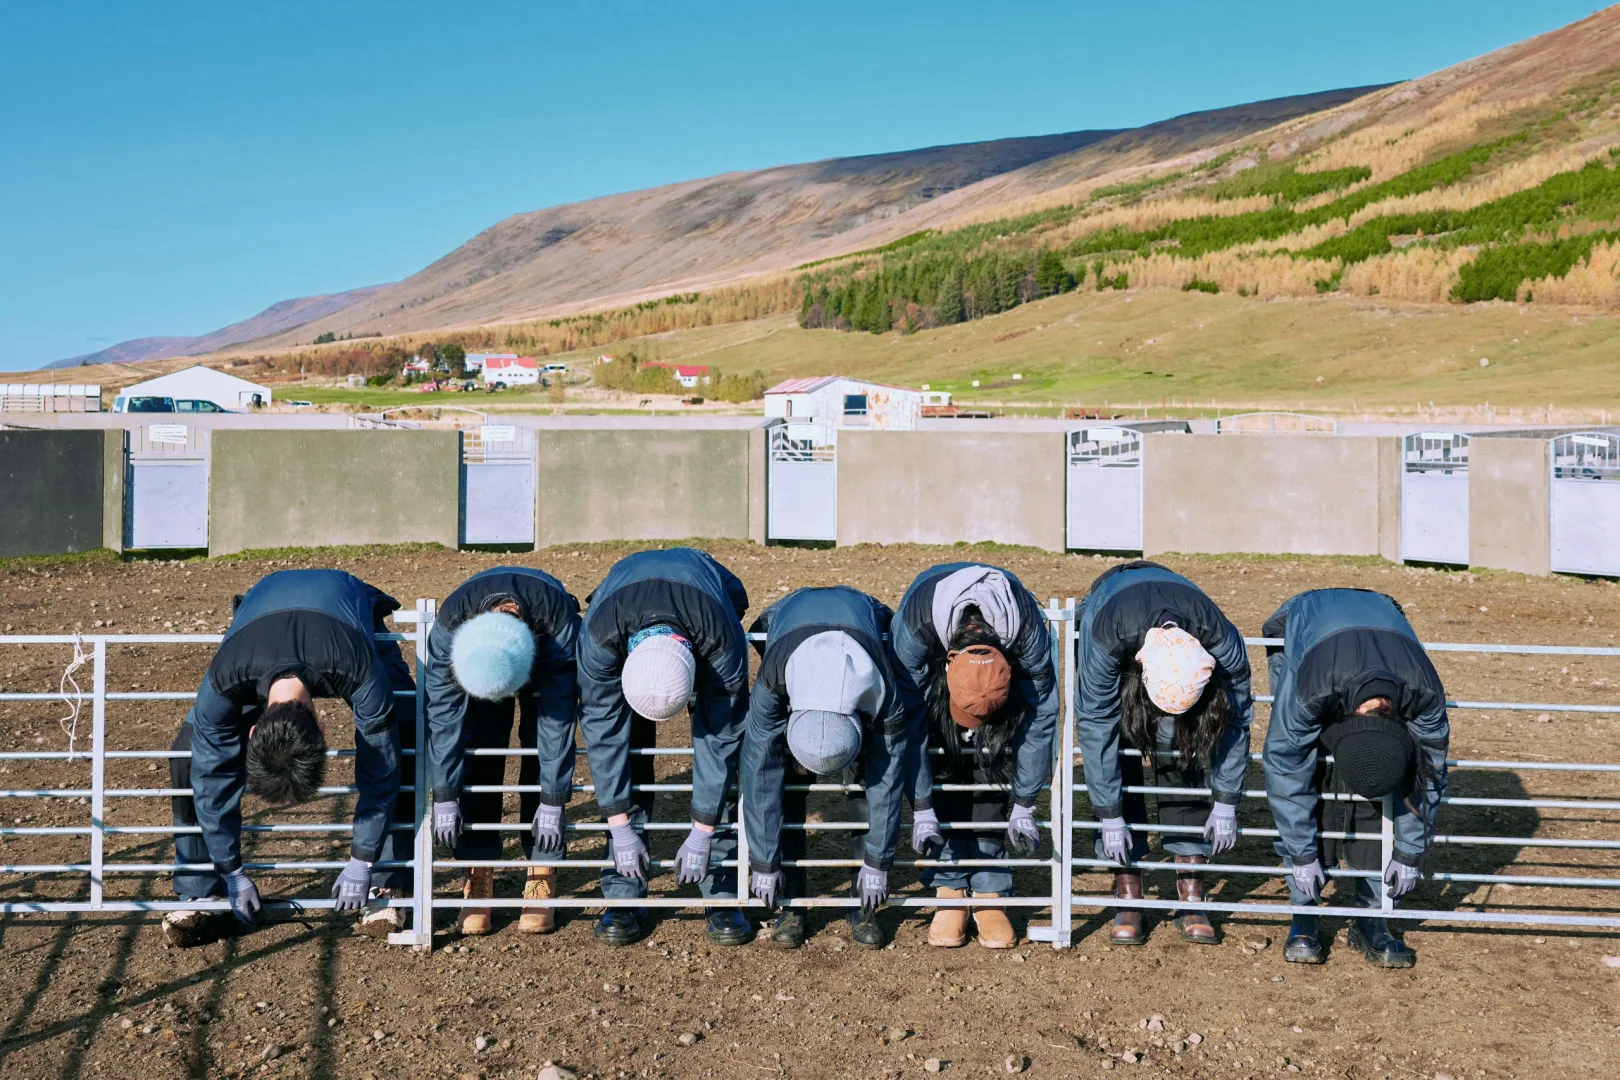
(864, 929)
(1378, 945)
(1304, 944)
(728, 926)
(790, 930)
(619, 926)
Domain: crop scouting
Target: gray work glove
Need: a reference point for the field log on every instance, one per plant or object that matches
(548, 829)
(692, 860)
(446, 823)
(926, 838)
(1220, 831)
(630, 858)
(767, 886)
(1116, 838)
(1023, 835)
(244, 897)
(1309, 879)
(350, 889)
(873, 886)
(1400, 877)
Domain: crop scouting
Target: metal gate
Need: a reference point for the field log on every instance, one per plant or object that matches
(1434, 498)
(1105, 489)
(497, 484)
(166, 493)
(801, 482)
(1586, 503)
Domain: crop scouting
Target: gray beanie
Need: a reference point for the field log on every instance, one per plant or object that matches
(658, 676)
(831, 683)
(823, 742)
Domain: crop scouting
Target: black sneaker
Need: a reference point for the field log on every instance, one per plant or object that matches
(729, 926)
(618, 926)
(1378, 945)
(790, 930)
(864, 929)
(1304, 944)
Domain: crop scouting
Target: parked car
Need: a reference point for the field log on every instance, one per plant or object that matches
(143, 404)
(561, 369)
(198, 405)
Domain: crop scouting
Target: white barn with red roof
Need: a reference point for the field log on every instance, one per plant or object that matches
(511, 370)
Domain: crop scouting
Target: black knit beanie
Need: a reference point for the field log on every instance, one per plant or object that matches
(1373, 755)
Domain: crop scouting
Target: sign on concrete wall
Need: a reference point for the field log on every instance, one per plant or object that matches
(1586, 503)
(1434, 498)
(166, 493)
(801, 482)
(497, 485)
(1104, 484)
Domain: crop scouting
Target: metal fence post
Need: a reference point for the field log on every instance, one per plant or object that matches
(1387, 844)
(1065, 917)
(420, 935)
(743, 893)
(98, 771)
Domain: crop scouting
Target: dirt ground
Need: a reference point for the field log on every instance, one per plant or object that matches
(104, 996)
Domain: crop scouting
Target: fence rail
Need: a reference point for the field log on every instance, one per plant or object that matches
(1061, 898)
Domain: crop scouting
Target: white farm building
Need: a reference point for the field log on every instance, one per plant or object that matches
(836, 401)
(202, 384)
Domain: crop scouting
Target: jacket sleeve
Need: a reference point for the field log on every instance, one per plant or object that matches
(1097, 719)
(1290, 765)
(764, 762)
(378, 714)
(717, 732)
(887, 760)
(557, 693)
(910, 657)
(1230, 760)
(604, 721)
(446, 720)
(1415, 814)
(218, 775)
(734, 592)
(1038, 683)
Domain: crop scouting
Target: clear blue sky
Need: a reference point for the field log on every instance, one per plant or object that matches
(169, 168)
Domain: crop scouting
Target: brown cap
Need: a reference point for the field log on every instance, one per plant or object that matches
(978, 679)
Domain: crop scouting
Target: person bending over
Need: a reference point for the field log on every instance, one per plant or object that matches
(826, 695)
(504, 635)
(1162, 669)
(1359, 711)
(297, 635)
(664, 629)
(976, 664)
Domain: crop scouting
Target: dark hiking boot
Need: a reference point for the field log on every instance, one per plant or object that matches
(618, 926)
(728, 926)
(1304, 944)
(1378, 945)
(864, 929)
(790, 930)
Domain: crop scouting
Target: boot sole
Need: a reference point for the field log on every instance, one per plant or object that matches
(1379, 959)
(957, 943)
(1210, 938)
(1300, 956)
(531, 929)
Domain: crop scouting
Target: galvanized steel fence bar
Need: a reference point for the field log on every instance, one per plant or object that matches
(1062, 820)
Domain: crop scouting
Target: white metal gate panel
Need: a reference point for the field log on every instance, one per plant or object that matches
(1434, 498)
(497, 485)
(1586, 503)
(166, 475)
(1105, 489)
(801, 482)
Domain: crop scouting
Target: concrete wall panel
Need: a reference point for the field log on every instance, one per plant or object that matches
(52, 492)
(1267, 494)
(115, 444)
(1509, 505)
(273, 489)
(924, 487)
(627, 484)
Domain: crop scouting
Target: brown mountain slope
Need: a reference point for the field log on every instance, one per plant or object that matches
(697, 234)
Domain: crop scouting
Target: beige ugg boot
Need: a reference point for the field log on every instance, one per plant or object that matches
(949, 928)
(541, 885)
(480, 885)
(995, 931)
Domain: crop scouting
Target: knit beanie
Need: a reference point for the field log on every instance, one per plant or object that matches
(823, 742)
(658, 675)
(491, 655)
(1372, 755)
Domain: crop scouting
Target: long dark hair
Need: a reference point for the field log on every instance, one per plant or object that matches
(1198, 729)
(992, 740)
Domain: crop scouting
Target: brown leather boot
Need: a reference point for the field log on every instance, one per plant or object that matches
(1127, 928)
(479, 885)
(1193, 925)
(995, 931)
(949, 928)
(541, 885)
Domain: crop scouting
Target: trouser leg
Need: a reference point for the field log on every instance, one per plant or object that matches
(856, 804)
(721, 881)
(1134, 807)
(398, 844)
(1171, 771)
(528, 765)
(189, 847)
(487, 726)
(643, 735)
(1367, 819)
(990, 806)
(794, 842)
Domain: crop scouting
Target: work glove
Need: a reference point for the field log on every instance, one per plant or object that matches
(446, 823)
(350, 889)
(1116, 840)
(692, 860)
(1220, 831)
(1309, 879)
(1023, 835)
(767, 886)
(926, 838)
(630, 858)
(244, 897)
(873, 887)
(548, 829)
(1400, 877)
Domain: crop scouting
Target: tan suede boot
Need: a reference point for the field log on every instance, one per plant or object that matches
(479, 885)
(995, 931)
(949, 928)
(541, 885)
